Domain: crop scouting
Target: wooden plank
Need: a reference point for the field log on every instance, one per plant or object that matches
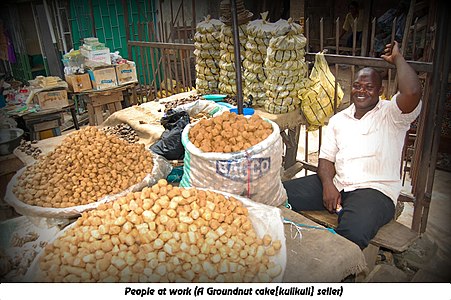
(291, 171)
(111, 108)
(370, 254)
(369, 62)
(395, 236)
(188, 58)
(91, 114)
(322, 217)
(105, 99)
(118, 105)
(98, 115)
(163, 45)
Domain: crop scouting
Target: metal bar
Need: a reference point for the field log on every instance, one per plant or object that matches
(414, 41)
(60, 26)
(182, 65)
(307, 34)
(306, 148)
(321, 34)
(163, 37)
(189, 67)
(172, 20)
(176, 72)
(33, 8)
(147, 66)
(160, 31)
(337, 38)
(369, 62)
(141, 58)
(393, 33)
(178, 32)
(354, 37)
(193, 23)
(155, 68)
(94, 34)
(127, 27)
(183, 22)
(409, 18)
(236, 41)
(373, 33)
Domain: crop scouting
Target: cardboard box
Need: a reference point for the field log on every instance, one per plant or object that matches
(52, 99)
(103, 78)
(97, 55)
(79, 83)
(126, 73)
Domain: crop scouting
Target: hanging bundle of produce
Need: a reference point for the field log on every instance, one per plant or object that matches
(206, 42)
(259, 33)
(286, 69)
(227, 78)
(318, 95)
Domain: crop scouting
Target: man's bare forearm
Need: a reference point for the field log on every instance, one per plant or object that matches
(326, 171)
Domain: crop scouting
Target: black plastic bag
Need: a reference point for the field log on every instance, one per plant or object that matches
(170, 144)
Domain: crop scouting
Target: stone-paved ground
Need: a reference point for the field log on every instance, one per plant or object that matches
(422, 262)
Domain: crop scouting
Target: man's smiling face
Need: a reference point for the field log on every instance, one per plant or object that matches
(366, 90)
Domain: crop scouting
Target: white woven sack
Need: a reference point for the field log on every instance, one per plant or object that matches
(253, 173)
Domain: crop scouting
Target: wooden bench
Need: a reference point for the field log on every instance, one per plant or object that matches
(393, 236)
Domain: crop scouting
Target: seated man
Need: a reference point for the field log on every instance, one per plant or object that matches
(354, 15)
(360, 155)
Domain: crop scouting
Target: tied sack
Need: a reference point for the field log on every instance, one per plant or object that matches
(317, 98)
(253, 173)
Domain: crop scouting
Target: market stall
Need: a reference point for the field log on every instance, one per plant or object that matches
(225, 221)
(306, 245)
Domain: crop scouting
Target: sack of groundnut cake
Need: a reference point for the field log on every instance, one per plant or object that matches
(168, 234)
(235, 154)
(88, 168)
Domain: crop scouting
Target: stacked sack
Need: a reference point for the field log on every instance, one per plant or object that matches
(207, 52)
(286, 69)
(227, 78)
(259, 33)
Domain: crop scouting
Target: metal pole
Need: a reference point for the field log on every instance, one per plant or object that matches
(236, 42)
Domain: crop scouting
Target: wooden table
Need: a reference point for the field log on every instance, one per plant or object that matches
(290, 127)
(110, 97)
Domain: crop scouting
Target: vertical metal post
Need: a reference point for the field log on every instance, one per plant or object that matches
(236, 44)
(92, 19)
(373, 33)
(127, 28)
(321, 34)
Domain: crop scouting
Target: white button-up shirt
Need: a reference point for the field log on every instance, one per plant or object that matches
(367, 152)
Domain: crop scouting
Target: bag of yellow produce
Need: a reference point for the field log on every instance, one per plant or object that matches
(317, 98)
